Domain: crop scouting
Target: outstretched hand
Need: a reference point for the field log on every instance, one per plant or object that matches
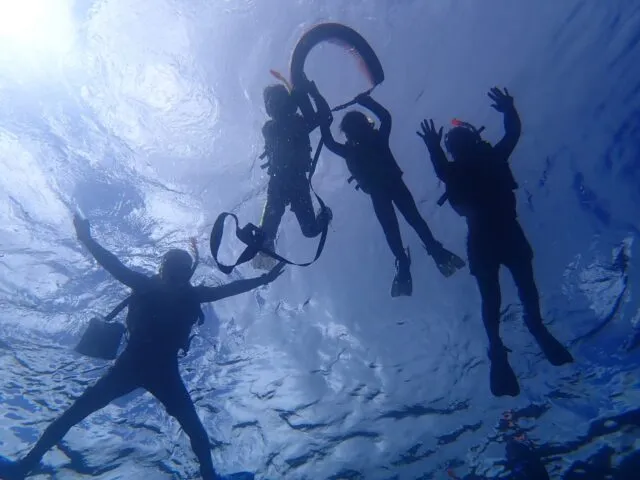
(502, 100)
(82, 226)
(274, 273)
(429, 134)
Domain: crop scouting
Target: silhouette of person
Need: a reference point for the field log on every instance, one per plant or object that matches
(373, 166)
(162, 311)
(288, 149)
(480, 187)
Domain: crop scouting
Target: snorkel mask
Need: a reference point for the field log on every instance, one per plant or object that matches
(463, 139)
(178, 266)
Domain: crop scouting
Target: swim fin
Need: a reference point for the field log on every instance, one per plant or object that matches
(503, 380)
(555, 352)
(402, 283)
(447, 262)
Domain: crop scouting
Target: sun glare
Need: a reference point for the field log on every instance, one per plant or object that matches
(43, 25)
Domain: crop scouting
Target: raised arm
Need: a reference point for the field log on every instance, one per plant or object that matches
(432, 139)
(503, 102)
(382, 113)
(212, 294)
(107, 259)
(325, 117)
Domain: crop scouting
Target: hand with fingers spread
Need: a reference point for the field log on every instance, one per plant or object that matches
(430, 135)
(502, 100)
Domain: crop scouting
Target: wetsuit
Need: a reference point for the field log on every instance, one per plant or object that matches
(159, 321)
(377, 173)
(482, 190)
(288, 149)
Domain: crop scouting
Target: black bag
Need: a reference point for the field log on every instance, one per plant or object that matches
(102, 337)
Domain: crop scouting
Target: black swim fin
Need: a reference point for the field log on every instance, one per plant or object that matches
(555, 352)
(503, 380)
(402, 283)
(447, 262)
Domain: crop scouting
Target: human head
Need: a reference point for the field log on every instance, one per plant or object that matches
(278, 101)
(356, 126)
(463, 143)
(176, 267)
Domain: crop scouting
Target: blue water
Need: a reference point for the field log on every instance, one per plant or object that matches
(146, 116)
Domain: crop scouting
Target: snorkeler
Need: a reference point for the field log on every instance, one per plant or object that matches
(480, 187)
(162, 311)
(288, 149)
(376, 172)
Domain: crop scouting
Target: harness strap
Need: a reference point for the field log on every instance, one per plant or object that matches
(253, 236)
(114, 313)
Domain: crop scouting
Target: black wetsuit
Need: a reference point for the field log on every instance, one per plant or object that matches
(482, 190)
(288, 149)
(159, 321)
(377, 173)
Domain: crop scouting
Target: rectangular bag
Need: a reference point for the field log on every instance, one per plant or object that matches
(103, 337)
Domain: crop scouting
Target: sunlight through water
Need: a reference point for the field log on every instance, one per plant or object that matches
(146, 117)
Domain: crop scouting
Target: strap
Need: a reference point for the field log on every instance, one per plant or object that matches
(352, 102)
(252, 236)
(442, 200)
(114, 313)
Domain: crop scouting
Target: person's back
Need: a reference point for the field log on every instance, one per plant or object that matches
(287, 146)
(482, 190)
(161, 317)
(371, 162)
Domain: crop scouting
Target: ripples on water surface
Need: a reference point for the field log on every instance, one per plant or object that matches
(146, 116)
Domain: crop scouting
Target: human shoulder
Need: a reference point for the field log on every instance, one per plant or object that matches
(269, 127)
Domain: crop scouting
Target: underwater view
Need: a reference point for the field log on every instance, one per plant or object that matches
(338, 239)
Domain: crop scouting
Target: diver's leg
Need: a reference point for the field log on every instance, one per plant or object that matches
(502, 378)
(383, 207)
(118, 381)
(302, 206)
(406, 204)
(489, 286)
(446, 261)
(170, 390)
(521, 266)
(273, 212)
